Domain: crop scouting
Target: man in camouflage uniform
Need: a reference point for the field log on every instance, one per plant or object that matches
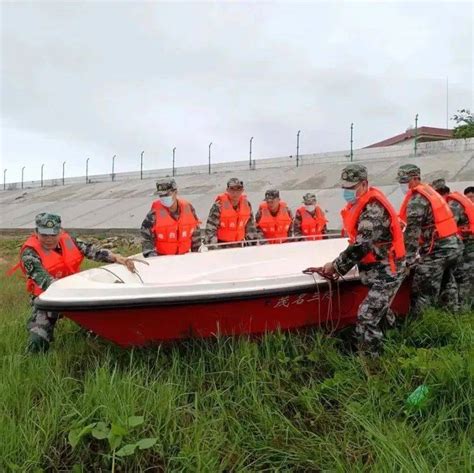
(235, 188)
(166, 188)
(272, 199)
(429, 256)
(48, 227)
(309, 201)
(456, 293)
(383, 275)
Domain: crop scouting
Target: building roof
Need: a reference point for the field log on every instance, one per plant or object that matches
(426, 133)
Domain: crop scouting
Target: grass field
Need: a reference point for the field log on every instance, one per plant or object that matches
(282, 402)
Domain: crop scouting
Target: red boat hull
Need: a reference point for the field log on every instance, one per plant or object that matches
(139, 326)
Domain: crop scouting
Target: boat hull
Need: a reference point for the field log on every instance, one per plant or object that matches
(326, 305)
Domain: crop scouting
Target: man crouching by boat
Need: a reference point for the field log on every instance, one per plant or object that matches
(231, 219)
(50, 254)
(171, 227)
(376, 246)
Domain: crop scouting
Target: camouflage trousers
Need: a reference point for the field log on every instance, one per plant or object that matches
(468, 262)
(374, 313)
(457, 287)
(41, 328)
(431, 273)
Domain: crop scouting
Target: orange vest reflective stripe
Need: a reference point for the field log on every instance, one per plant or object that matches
(173, 237)
(274, 226)
(232, 221)
(350, 218)
(312, 226)
(58, 265)
(468, 207)
(444, 222)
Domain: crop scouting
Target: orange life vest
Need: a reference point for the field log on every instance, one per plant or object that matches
(350, 218)
(232, 221)
(173, 237)
(468, 207)
(444, 222)
(58, 265)
(312, 226)
(274, 226)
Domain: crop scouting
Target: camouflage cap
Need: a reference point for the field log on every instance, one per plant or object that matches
(439, 184)
(309, 198)
(353, 174)
(48, 224)
(165, 185)
(234, 182)
(407, 172)
(271, 194)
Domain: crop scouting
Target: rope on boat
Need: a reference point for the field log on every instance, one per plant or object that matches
(120, 280)
(138, 260)
(338, 290)
(331, 324)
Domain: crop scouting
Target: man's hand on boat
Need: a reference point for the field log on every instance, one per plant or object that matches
(128, 262)
(327, 271)
(330, 269)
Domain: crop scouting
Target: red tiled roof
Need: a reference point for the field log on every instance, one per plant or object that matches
(423, 132)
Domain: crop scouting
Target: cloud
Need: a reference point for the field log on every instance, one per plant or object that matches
(116, 78)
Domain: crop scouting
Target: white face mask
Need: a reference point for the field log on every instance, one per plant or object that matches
(310, 208)
(404, 188)
(167, 200)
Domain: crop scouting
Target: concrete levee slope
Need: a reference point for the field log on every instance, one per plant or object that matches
(362, 155)
(123, 204)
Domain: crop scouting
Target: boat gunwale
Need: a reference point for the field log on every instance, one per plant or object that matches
(91, 305)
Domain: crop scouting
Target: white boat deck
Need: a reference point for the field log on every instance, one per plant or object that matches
(235, 271)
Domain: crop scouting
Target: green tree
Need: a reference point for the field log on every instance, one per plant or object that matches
(465, 124)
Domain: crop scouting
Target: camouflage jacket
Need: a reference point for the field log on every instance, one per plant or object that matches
(373, 228)
(420, 224)
(213, 221)
(148, 236)
(297, 231)
(258, 216)
(461, 220)
(35, 270)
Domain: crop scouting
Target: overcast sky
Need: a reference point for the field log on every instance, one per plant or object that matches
(94, 79)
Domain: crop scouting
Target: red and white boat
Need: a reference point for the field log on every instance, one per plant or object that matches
(229, 292)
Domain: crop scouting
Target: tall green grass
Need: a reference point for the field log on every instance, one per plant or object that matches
(281, 402)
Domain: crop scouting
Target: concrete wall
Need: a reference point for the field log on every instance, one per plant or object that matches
(123, 204)
(359, 155)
